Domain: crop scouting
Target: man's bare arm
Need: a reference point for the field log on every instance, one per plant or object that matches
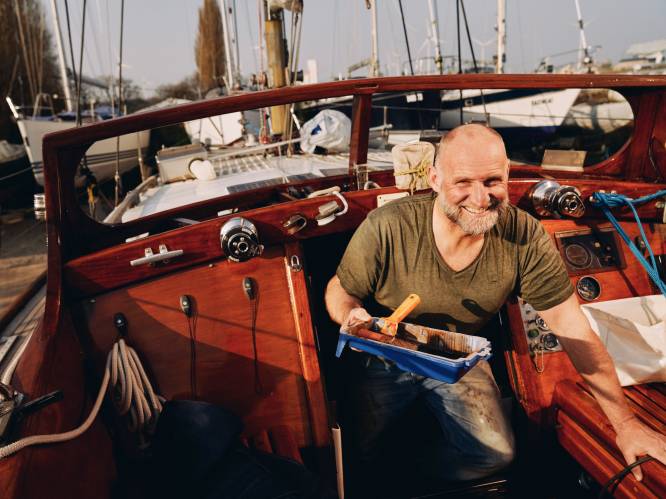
(592, 361)
(345, 309)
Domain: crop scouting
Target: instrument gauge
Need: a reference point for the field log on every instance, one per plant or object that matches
(578, 255)
(588, 288)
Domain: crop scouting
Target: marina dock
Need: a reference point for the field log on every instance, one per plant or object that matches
(22, 253)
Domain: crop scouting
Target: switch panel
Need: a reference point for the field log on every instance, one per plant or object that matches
(539, 336)
(586, 251)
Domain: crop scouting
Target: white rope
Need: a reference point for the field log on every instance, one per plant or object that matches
(130, 390)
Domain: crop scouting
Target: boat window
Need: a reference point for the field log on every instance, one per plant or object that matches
(241, 156)
(244, 160)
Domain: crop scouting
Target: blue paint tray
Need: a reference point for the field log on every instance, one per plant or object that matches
(434, 353)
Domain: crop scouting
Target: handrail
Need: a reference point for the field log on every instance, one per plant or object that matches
(267, 98)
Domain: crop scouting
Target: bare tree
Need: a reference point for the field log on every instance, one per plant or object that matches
(209, 47)
(27, 60)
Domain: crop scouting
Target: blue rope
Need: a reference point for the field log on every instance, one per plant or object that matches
(606, 202)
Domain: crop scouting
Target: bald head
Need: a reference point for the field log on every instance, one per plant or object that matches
(470, 177)
(470, 143)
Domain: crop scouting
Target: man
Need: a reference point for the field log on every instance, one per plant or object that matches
(464, 250)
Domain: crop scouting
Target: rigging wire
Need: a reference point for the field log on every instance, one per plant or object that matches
(78, 84)
(71, 54)
(476, 67)
(404, 29)
(459, 55)
(116, 176)
(409, 57)
(111, 59)
(24, 48)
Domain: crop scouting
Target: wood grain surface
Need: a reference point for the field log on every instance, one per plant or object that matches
(290, 391)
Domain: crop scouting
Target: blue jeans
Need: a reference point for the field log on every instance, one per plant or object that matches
(478, 439)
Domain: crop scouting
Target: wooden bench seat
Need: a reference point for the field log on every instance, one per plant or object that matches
(585, 432)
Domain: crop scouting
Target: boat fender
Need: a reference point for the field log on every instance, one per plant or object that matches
(202, 169)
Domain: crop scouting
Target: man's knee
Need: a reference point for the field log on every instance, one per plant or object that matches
(501, 457)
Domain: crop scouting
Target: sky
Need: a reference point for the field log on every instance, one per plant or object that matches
(158, 40)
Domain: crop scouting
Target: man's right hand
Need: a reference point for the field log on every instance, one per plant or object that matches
(357, 317)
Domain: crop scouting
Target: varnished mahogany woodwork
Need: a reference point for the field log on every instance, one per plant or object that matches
(598, 461)
(64, 150)
(109, 269)
(83, 467)
(535, 390)
(587, 434)
(645, 114)
(358, 145)
(300, 303)
(291, 391)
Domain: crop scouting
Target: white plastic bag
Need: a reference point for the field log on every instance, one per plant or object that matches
(329, 129)
(634, 333)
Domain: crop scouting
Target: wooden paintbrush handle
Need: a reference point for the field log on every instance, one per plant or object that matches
(405, 308)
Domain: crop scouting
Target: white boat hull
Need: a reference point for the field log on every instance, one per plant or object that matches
(100, 158)
(606, 117)
(508, 109)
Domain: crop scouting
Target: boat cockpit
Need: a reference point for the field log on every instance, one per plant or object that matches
(218, 309)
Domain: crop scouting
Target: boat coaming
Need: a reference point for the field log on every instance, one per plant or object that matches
(91, 279)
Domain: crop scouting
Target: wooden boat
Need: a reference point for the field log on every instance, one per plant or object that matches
(286, 385)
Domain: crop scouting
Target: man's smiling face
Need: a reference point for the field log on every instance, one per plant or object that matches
(471, 176)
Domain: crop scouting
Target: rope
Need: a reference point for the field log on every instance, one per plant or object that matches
(606, 202)
(130, 390)
(419, 171)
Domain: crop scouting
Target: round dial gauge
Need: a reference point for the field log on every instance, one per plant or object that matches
(588, 288)
(578, 255)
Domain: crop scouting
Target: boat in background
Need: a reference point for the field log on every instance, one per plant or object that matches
(102, 158)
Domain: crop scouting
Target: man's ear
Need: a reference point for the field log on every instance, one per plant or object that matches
(433, 178)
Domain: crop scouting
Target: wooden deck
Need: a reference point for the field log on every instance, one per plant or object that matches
(22, 253)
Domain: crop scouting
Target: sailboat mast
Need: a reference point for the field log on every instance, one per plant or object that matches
(434, 29)
(501, 36)
(228, 58)
(374, 58)
(583, 53)
(61, 58)
(237, 72)
(277, 61)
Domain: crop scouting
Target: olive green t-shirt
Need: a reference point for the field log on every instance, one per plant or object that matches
(393, 254)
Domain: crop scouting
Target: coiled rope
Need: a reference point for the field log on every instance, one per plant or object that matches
(606, 201)
(130, 391)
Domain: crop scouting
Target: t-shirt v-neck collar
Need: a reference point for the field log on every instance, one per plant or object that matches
(438, 256)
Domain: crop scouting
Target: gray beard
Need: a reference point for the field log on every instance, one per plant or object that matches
(472, 225)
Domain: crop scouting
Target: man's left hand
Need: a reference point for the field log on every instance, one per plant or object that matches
(635, 439)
